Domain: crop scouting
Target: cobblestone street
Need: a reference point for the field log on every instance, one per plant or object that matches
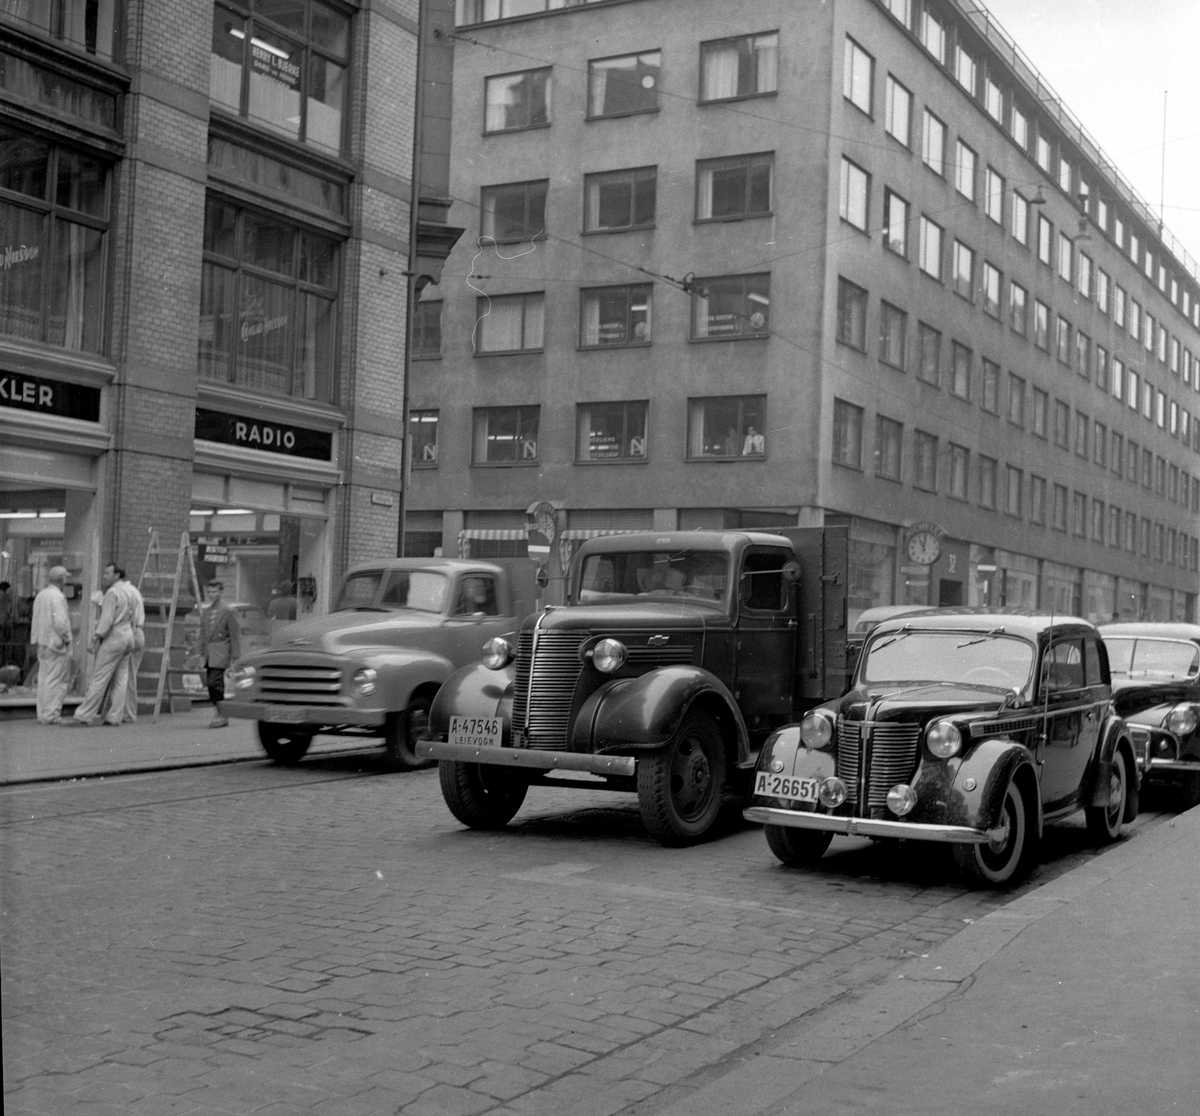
(329, 940)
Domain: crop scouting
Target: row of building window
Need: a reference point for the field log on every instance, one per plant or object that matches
(1016, 115)
(1002, 487)
(720, 428)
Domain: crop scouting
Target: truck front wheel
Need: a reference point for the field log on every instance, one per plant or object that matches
(481, 795)
(401, 733)
(285, 745)
(680, 787)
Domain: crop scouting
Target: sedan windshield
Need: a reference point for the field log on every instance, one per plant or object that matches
(981, 659)
(695, 574)
(1153, 658)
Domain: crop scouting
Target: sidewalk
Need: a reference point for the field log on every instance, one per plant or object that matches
(31, 752)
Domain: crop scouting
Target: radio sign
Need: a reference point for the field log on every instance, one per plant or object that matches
(257, 434)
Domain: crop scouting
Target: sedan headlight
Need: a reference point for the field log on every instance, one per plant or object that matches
(943, 740)
(816, 730)
(1182, 720)
(497, 653)
(243, 677)
(609, 655)
(362, 682)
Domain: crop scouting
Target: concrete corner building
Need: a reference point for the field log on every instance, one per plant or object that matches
(204, 255)
(751, 263)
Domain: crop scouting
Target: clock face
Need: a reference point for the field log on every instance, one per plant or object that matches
(924, 548)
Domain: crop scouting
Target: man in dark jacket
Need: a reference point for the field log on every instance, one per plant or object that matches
(220, 644)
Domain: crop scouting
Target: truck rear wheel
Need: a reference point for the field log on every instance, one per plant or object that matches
(284, 744)
(401, 733)
(680, 787)
(481, 795)
(797, 848)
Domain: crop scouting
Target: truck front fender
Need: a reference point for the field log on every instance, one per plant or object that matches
(474, 691)
(645, 712)
(402, 671)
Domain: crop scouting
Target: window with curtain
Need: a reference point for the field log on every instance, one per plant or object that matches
(517, 101)
(730, 189)
(513, 212)
(612, 316)
(731, 306)
(93, 26)
(746, 66)
(509, 323)
(624, 85)
(506, 435)
(893, 327)
(729, 426)
(427, 329)
(268, 304)
(611, 431)
(54, 212)
(423, 439)
(617, 200)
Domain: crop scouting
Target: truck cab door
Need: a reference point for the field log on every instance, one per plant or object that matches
(821, 659)
(766, 638)
(474, 617)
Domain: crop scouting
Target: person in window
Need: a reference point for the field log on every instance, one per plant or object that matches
(754, 445)
(476, 597)
(731, 443)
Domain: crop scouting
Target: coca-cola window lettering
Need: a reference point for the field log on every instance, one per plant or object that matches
(283, 65)
(268, 304)
(53, 225)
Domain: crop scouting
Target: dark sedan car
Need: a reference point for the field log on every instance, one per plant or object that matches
(965, 727)
(1156, 688)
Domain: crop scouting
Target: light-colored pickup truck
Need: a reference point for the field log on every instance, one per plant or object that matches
(372, 666)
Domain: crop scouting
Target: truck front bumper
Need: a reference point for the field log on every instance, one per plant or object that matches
(302, 714)
(535, 758)
(868, 827)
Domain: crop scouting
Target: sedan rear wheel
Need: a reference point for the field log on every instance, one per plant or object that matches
(1001, 861)
(1104, 822)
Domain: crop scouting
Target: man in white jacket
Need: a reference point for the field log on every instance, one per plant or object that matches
(51, 631)
(130, 697)
(113, 640)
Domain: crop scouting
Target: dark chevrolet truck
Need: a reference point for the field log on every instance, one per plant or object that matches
(676, 655)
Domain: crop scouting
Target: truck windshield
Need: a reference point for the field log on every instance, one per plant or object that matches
(423, 590)
(970, 658)
(1153, 658)
(692, 574)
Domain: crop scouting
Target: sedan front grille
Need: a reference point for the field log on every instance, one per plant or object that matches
(888, 749)
(547, 670)
(299, 684)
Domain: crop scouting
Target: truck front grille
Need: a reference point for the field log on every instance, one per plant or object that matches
(299, 684)
(548, 669)
(887, 748)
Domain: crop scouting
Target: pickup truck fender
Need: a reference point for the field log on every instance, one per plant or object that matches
(643, 713)
(474, 691)
(1113, 735)
(402, 671)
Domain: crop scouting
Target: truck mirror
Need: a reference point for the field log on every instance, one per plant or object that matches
(791, 572)
(542, 578)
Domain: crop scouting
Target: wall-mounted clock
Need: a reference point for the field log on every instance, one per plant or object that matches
(924, 548)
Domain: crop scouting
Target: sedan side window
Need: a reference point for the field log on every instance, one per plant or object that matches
(1093, 672)
(1064, 667)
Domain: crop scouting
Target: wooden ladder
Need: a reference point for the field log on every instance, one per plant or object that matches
(160, 588)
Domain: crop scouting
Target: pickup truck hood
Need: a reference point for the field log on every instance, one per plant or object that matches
(343, 631)
(656, 614)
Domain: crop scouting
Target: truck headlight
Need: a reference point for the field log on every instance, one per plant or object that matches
(362, 682)
(497, 653)
(243, 677)
(609, 655)
(816, 730)
(1182, 720)
(943, 740)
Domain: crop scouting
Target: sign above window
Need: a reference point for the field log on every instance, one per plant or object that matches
(270, 437)
(49, 397)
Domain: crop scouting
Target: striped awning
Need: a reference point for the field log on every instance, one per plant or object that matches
(575, 534)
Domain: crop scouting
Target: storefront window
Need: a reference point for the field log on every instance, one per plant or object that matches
(92, 26)
(53, 221)
(283, 65)
(268, 301)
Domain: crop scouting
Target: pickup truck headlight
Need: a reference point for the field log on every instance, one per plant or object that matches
(943, 740)
(609, 655)
(362, 682)
(243, 677)
(816, 730)
(497, 653)
(1182, 720)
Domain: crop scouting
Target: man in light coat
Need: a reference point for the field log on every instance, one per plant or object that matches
(220, 644)
(112, 642)
(51, 631)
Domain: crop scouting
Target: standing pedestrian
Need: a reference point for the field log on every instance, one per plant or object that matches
(129, 699)
(220, 644)
(51, 631)
(112, 643)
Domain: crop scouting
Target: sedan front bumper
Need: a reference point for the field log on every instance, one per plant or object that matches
(538, 759)
(868, 827)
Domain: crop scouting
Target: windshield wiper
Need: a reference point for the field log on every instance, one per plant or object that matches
(980, 639)
(903, 633)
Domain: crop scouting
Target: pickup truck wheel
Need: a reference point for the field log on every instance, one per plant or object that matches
(680, 787)
(797, 848)
(481, 795)
(1104, 822)
(401, 733)
(285, 745)
(999, 863)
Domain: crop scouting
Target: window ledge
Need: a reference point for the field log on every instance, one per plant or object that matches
(607, 348)
(739, 97)
(513, 131)
(533, 463)
(613, 461)
(732, 218)
(739, 337)
(621, 229)
(623, 115)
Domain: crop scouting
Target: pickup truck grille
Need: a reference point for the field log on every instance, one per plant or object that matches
(548, 668)
(891, 756)
(296, 684)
